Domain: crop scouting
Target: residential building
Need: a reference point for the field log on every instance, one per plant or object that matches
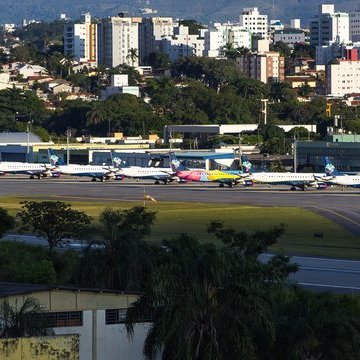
(183, 44)
(97, 316)
(27, 70)
(80, 40)
(255, 22)
(119, 85)
(223, 34)
(151, 32)
(329, 26)
(355, 25)
(295, 23)
(118, 38)
(263, 65)
(290, 36)
(327, 53)
(214, 42)
(296, 81)
(276, 25)
(343, 75)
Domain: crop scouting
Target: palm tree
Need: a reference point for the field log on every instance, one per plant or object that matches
(27, 321)
(132, 55)
(122, 255)
(209, 303)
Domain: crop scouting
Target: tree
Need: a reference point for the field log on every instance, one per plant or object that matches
(53, 220)
(316, 326)
(212, 303)
(158, 60)
(27, 321)
(132, 55)
(122, 257)
(7, 222)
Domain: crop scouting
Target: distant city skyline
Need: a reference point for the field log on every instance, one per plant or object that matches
(48, 10)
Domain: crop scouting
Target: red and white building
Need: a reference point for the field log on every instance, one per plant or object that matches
(343, 75)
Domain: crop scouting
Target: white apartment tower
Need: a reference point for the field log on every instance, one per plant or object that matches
(119, 41)
(183, 44)
(329, 26)
(151, 32)
(253, 21)
(80, 40)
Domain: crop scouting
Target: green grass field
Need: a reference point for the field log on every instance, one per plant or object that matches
(193, 218)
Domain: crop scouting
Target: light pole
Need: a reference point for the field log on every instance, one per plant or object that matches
(28, 141)
(295, 154)
(68, 134)
(240, 151)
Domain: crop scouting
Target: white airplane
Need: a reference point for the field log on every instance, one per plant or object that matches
(295, 180)
(32, 169)
(94, 171)
(333, 177)
(158, 174)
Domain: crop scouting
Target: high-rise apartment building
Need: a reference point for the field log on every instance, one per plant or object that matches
(329, 26)
(223, 34)
(151, 32)
(355, 26)
(119, 40)
(80, 40)
(182, 43)
(255, 22)
(263, 65)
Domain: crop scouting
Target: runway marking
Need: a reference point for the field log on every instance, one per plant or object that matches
(330, 286)
(337, 214)
(315, 258)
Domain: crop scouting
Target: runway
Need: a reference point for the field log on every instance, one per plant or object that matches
(342, 207)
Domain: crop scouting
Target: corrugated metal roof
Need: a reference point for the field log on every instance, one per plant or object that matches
(18, 138)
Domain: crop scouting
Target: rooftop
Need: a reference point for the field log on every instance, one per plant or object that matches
(10, 289)
(18, 138)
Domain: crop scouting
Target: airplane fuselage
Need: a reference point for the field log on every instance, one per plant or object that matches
(8, 167)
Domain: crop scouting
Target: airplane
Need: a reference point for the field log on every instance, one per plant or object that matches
(158, 174)
(33, 169)
(222, 177)
(333, 177)
(94, 171)
(295, 180)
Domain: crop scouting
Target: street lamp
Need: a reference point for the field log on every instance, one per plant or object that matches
(68, 134)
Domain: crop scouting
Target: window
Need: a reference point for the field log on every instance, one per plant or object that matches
(63, 319)
(118, 316)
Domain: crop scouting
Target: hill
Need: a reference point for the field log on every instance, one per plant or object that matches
(202, 10)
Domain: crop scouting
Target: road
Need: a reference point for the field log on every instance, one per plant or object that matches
(319, 274)
(342, 207)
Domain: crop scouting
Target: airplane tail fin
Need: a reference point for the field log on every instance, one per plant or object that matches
(117, 162)
(54, 159)
(246, 164)
(175, 163)
(330, 169)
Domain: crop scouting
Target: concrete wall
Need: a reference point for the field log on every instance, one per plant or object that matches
(40, 348)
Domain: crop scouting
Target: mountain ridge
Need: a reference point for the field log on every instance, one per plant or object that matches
(204, 11)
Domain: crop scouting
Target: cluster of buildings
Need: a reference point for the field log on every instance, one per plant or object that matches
(336, 36)
(115, 40)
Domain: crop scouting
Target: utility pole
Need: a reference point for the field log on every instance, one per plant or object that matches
(28, 141)
(295, 154)
(240, 151)
(264, 103)
(68, 134)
